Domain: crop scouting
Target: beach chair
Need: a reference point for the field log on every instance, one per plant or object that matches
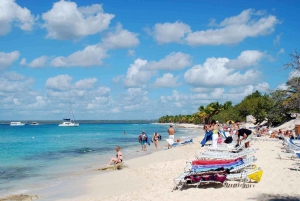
(225, 155)
(254, 174)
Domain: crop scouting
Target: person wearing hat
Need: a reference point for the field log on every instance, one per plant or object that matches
(171, 132)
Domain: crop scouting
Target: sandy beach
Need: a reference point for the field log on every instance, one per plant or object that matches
(151, 178)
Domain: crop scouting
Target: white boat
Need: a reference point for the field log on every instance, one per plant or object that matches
(16, 123)
(34, 123)
(68, 122)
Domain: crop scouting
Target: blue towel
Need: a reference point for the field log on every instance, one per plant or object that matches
(207, 137)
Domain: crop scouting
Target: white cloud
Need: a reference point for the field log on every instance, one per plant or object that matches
(213, 73)
(12, 76)
(12, 14)
(131, 53)
(122, 38)
(263, 87)
(173, 61)
(167, 80)
(170, 32)
(23, 62)
(117, 79)
(59, 83)
(281, 51)
(91, 55)
(235, 29)
(245, 59)
(137, 76)
(36, 63)
(12, 82)
(139, 73)
(276, 41)
(66, 21)
(282, 86)
(7, 59)
(87, 83)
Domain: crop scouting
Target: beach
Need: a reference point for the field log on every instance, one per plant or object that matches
(150, 177)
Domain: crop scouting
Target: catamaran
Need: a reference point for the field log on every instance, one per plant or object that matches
(68, 122)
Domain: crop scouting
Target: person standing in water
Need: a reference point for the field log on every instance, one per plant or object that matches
(124, 133)
(171, 132)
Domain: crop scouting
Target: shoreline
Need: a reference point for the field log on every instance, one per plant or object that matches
(90, 170)
(153, 174)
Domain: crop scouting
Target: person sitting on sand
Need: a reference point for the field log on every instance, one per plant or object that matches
(118, 158)
(220, 139)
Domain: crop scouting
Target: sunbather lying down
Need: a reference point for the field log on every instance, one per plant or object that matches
(118, 166)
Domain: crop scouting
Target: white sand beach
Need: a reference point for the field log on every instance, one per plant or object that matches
(150, 178)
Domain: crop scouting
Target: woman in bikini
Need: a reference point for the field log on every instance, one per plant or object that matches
(118, 158)
(155, 139)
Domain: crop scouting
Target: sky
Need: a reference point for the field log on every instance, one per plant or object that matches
(138, 59)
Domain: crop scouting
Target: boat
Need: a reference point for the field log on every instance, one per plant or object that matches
(69, 122)
(34, 123)
(16, 123)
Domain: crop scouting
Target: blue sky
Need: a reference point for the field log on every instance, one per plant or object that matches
(139, 59)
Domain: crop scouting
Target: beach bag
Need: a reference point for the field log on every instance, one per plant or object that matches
(228, 140)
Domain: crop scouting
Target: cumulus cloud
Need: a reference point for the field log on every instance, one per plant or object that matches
(91, 55)
(12, 14)
(59, 83)
(66, 21)
(213, 73)
(173, 61)
(121, 38)
(282, 86)
(87, 83)
(7, 59)
(36, 63)
(117, 79)
(276, 40)
(170, 32)
(235, 29)
(137, 75)
(13, 82)
(281, 51)
(167, 80)
(141, 71)
(245, 59)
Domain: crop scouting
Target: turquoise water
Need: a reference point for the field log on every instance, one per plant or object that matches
(38, 156)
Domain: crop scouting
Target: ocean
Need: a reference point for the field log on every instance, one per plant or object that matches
(34, 157)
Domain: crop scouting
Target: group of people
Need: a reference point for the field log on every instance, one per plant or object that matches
(143, 139)
(216, 133)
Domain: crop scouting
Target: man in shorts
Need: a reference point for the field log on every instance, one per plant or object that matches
(171, 132)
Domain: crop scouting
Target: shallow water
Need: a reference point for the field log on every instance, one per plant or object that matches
(38, 156)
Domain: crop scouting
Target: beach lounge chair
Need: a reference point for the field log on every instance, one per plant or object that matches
(217, 177)
(225, 155)
(254, 174)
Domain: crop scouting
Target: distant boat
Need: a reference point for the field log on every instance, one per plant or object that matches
(34, 123)
(16, 123)
(68, 122)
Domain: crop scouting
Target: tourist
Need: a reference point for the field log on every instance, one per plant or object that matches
(118, 158)
(155, 139)
(208, 134)
(171, 132)
(143, 140)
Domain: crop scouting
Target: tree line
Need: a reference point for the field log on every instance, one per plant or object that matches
(275, 108)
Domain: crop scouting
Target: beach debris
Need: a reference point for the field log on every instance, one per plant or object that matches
(20, 197)
(118, 166)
